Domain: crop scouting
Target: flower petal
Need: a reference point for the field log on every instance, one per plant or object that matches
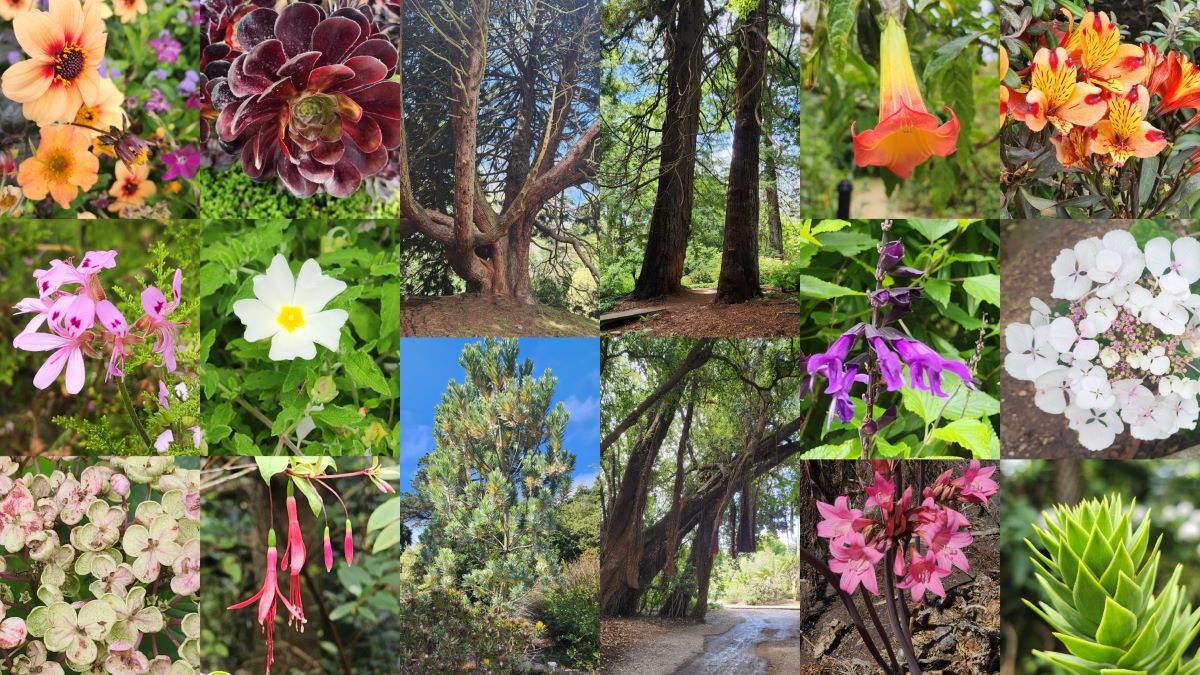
(325, 328)
(315, 289)
(277, 287)
(286, 346)
(51, 369)
(257, 317)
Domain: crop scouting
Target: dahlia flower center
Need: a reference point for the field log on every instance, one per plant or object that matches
(87, 115)
(58, 164)
(290, 317)
(68, 63)
(130, 188)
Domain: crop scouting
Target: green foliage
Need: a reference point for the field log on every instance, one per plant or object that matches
(1098, 577)
(578, 524)
(342, 403)
(442, 631)
(226, 193)
(571, 611)
(769, 575)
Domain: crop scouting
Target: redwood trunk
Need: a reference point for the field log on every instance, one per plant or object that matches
(671, 218)
(739, 258)
(771, 193)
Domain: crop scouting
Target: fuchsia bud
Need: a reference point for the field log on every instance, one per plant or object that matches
(328, 552)
(349, 543)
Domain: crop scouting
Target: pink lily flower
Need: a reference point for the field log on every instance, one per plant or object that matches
(975, 484)
(68, 341)
(839, 519)
(294, 562)
(882, 493)
(157, 308)
(266, 597)
(925, 573)
(114, 322)
(855, 562)
(945, 540)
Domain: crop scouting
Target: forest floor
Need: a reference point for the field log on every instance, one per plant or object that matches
(1027, 249)
(952, 636)
(694, 314)
(758, 641)
(473, 315)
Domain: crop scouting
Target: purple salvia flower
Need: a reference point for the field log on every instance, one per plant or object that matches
(889, 363)
(925, 366)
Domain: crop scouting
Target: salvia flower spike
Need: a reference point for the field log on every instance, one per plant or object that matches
(1097, 575)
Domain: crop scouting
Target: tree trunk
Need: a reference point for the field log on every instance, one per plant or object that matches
(739, 257)
(746, 525)
(704, 548)
(677, 495)
(671, 218)
(771, 193)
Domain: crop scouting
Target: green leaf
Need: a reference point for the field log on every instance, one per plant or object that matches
(388, 537)
(842, 15)
(946, 54)
(270, 466)
(985, 288)
(365, 372)
(338, 416)
(342, 611)
(1149, 172)
(933, 229)
(1117, 624)
(939, 292)
(385, 513)
(212, 277)
(962, 403)
(310, 493)
(847, 450)
(972, 434)
(848, 244)
(813, 287)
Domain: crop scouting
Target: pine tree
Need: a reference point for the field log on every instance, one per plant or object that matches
(496, 470)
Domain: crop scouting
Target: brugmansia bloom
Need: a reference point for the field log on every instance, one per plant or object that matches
(61, 166)
(65, 46)
(1126, 133)
(907, 134)
(1056, 96)
(291, 310)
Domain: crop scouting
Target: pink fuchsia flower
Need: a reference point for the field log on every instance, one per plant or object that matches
(349, 544)
(839, 519)
(114, 322)
(182, 163)
(925, 573)
(295, 561)
(157, 308)
(70, 337)
(944, 538)
(907, 134)
(328, 551)
(855, 561)
(266, 598)
(975, 485)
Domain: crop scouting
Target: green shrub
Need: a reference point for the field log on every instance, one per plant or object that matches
(233, 193)
(703, 265)
(442, 632)
(781, 274)
(571, 612)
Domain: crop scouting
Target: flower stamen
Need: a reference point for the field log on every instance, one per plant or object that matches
(290, 317)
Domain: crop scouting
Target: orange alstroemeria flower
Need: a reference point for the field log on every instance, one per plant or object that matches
(1177, 81)
(1126, 133)
(61, 167)
(907, 134)
(1072, 148)
(1056, 95)
(1004, 90)
(1104, 61)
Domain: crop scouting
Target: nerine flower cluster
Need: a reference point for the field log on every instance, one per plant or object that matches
(922, 541)
(1117, 349)
(80, 321)
(114, 553)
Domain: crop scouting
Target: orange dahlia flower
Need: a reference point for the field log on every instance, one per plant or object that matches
(1126, 133)
(9, 9)
(104, 111)
(1056, 95)
(907, 134)
(128, 10)
(65, 45)
(61, 166)
(131, 188)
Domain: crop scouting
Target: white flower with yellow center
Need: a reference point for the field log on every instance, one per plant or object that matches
(291, 310)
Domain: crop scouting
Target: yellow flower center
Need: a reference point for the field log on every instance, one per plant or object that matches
(1057, 82)
(1125, 117)
(68, 63)
(290, 317)
(59, 164)
(87, 115)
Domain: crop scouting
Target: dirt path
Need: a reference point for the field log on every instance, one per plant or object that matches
(693, 313)
(767, 641)
(471, 315)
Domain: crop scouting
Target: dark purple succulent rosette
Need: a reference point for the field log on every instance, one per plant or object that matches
(309, 99)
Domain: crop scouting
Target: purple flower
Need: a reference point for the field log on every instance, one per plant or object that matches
(181, 163)
(13, 57)
(108, 70)
(191, 79)
(829, 363)
(160, 74)
(839, 388)
(157, 103)
(925, 366)
(889, 363)
(890, 255)
(166, 47)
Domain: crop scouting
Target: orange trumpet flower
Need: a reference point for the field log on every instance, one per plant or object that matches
(907, 134)
(1126, 133)
(1055, 95)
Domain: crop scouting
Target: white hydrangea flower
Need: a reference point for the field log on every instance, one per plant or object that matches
(1109, 357)
(1040, 316)
(1119, 262)
(1093, 391)
(291, 310)
(1097, 429)
(1175, 265)
(1052, 390)
(1070, 270)
(1030, 353)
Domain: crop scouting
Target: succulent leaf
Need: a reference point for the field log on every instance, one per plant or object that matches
(1097, 575)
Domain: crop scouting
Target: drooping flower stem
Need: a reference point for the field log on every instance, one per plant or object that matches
(137, 423)
(900, 631)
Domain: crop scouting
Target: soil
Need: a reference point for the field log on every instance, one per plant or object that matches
(693, 313)
(473, 315)
(1027, 249)
(957, 635)
(744, 641)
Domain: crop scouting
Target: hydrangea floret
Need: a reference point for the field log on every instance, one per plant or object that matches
(1118, 347)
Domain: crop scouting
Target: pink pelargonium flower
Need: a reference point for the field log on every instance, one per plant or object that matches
(68, 341)
(925, 573)
(295, 561)
(155, 320)
(164, 441)
(839, 519)
(113, 321)
(855, 561)
(36, 306)
(975, 485)
(63, 273)
(266, 598)
(944, 538)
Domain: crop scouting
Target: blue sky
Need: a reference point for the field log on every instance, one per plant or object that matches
(428, 364)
